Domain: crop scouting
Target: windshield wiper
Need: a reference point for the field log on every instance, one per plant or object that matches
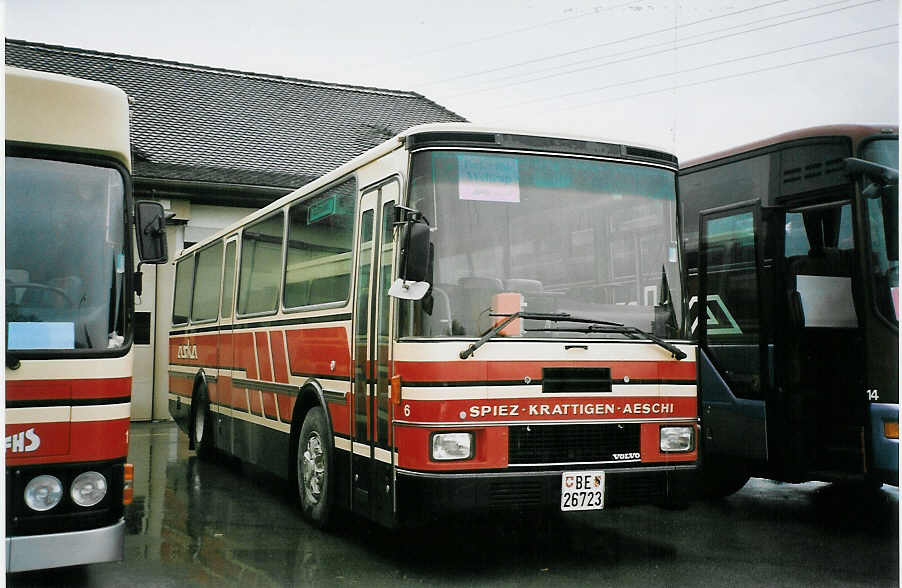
(539, 316)
(592, 326)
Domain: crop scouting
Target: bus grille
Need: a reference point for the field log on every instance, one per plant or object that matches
(515, 493)
(550, 444)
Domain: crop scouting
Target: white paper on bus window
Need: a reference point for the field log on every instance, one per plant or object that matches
(827, 301)
(41, 336)
(488, 179)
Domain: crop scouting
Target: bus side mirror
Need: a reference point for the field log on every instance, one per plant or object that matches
(415, 260)
(150, 230)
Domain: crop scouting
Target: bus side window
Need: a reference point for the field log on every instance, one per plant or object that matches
(181, 305)
(320, 239)
(228, 281)
(207, 281)
(261, 264)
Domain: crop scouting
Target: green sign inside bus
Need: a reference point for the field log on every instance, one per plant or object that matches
(322, 209)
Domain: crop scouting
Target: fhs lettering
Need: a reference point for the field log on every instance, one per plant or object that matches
(186, 352)
(16, 442)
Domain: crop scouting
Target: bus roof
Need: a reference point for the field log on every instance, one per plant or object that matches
(52, 110)
(856, 131)
(398, 142)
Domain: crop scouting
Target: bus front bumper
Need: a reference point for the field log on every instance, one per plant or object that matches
(55, 550)
(423, 495)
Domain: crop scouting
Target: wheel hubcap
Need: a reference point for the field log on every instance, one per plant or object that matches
(313, 468)
(199, 422)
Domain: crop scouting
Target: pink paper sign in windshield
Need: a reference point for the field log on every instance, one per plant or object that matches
(488, 178)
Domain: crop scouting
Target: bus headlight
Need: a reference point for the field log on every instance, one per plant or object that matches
(451, 446)
(43, 493)
(675, 439)
(88, 489)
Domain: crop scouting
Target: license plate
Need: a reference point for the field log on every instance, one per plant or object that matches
(582, 490)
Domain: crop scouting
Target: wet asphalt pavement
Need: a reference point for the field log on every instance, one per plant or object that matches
(195, 523)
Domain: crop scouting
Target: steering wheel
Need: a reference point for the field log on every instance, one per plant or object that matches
(40, 288)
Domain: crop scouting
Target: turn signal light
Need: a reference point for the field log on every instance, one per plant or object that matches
(396, 390)
(128, 478)
(891, 429)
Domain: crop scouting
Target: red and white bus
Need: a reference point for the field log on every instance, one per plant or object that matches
(69, 313)
(460, 318)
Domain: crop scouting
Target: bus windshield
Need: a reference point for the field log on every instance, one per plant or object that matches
(595, 239)
(883, 224)
(65, 256)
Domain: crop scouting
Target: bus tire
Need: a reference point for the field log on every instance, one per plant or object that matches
(314, 469)
(721, 478)
(201, 423)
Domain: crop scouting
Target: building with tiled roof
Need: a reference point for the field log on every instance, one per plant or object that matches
(202, 132)
(213, 145)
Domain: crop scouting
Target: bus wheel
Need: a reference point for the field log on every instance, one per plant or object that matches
(720, 478)
(202, 429)
(314, 459)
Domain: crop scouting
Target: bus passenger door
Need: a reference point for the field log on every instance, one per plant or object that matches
(819, 340)
(371, 467)
(732, 330)
(222, 416)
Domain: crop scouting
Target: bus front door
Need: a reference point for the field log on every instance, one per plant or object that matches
(372, 456)
(732, 329)
(821, 346)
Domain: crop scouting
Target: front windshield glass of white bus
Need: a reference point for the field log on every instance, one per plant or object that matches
(883, 227)
(65, 257)
(545, 234)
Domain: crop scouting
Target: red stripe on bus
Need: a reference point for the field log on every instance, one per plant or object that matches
(263, 354)
(244, 354)
(480, 371)
(80, 389)
(87, 441)
(286, 406)
(256, 404)
(279, 361)
(312, 351)
(269, 405)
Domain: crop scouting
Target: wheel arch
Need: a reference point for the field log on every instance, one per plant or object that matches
(310, 395)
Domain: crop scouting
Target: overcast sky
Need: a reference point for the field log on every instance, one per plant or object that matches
(690, 76)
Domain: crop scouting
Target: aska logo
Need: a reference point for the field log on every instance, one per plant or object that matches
(187, 352)
(17, 442)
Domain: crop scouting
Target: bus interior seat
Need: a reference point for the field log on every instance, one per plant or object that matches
(16, 276)
(475, 300)
(72, 286)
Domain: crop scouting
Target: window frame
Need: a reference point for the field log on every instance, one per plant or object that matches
(196, 254)
(353, 248)
(239, 266)
(179, 261)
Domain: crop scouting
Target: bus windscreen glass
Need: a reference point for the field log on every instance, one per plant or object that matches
(65, 256)
(593, 238)
(884, 230)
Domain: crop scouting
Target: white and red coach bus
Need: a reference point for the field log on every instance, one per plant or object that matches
(459, 318)
(69, 313)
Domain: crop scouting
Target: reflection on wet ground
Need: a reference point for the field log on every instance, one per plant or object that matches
(195, 523)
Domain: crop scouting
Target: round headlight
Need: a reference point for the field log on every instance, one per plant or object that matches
(43, 493)
(88, 489)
